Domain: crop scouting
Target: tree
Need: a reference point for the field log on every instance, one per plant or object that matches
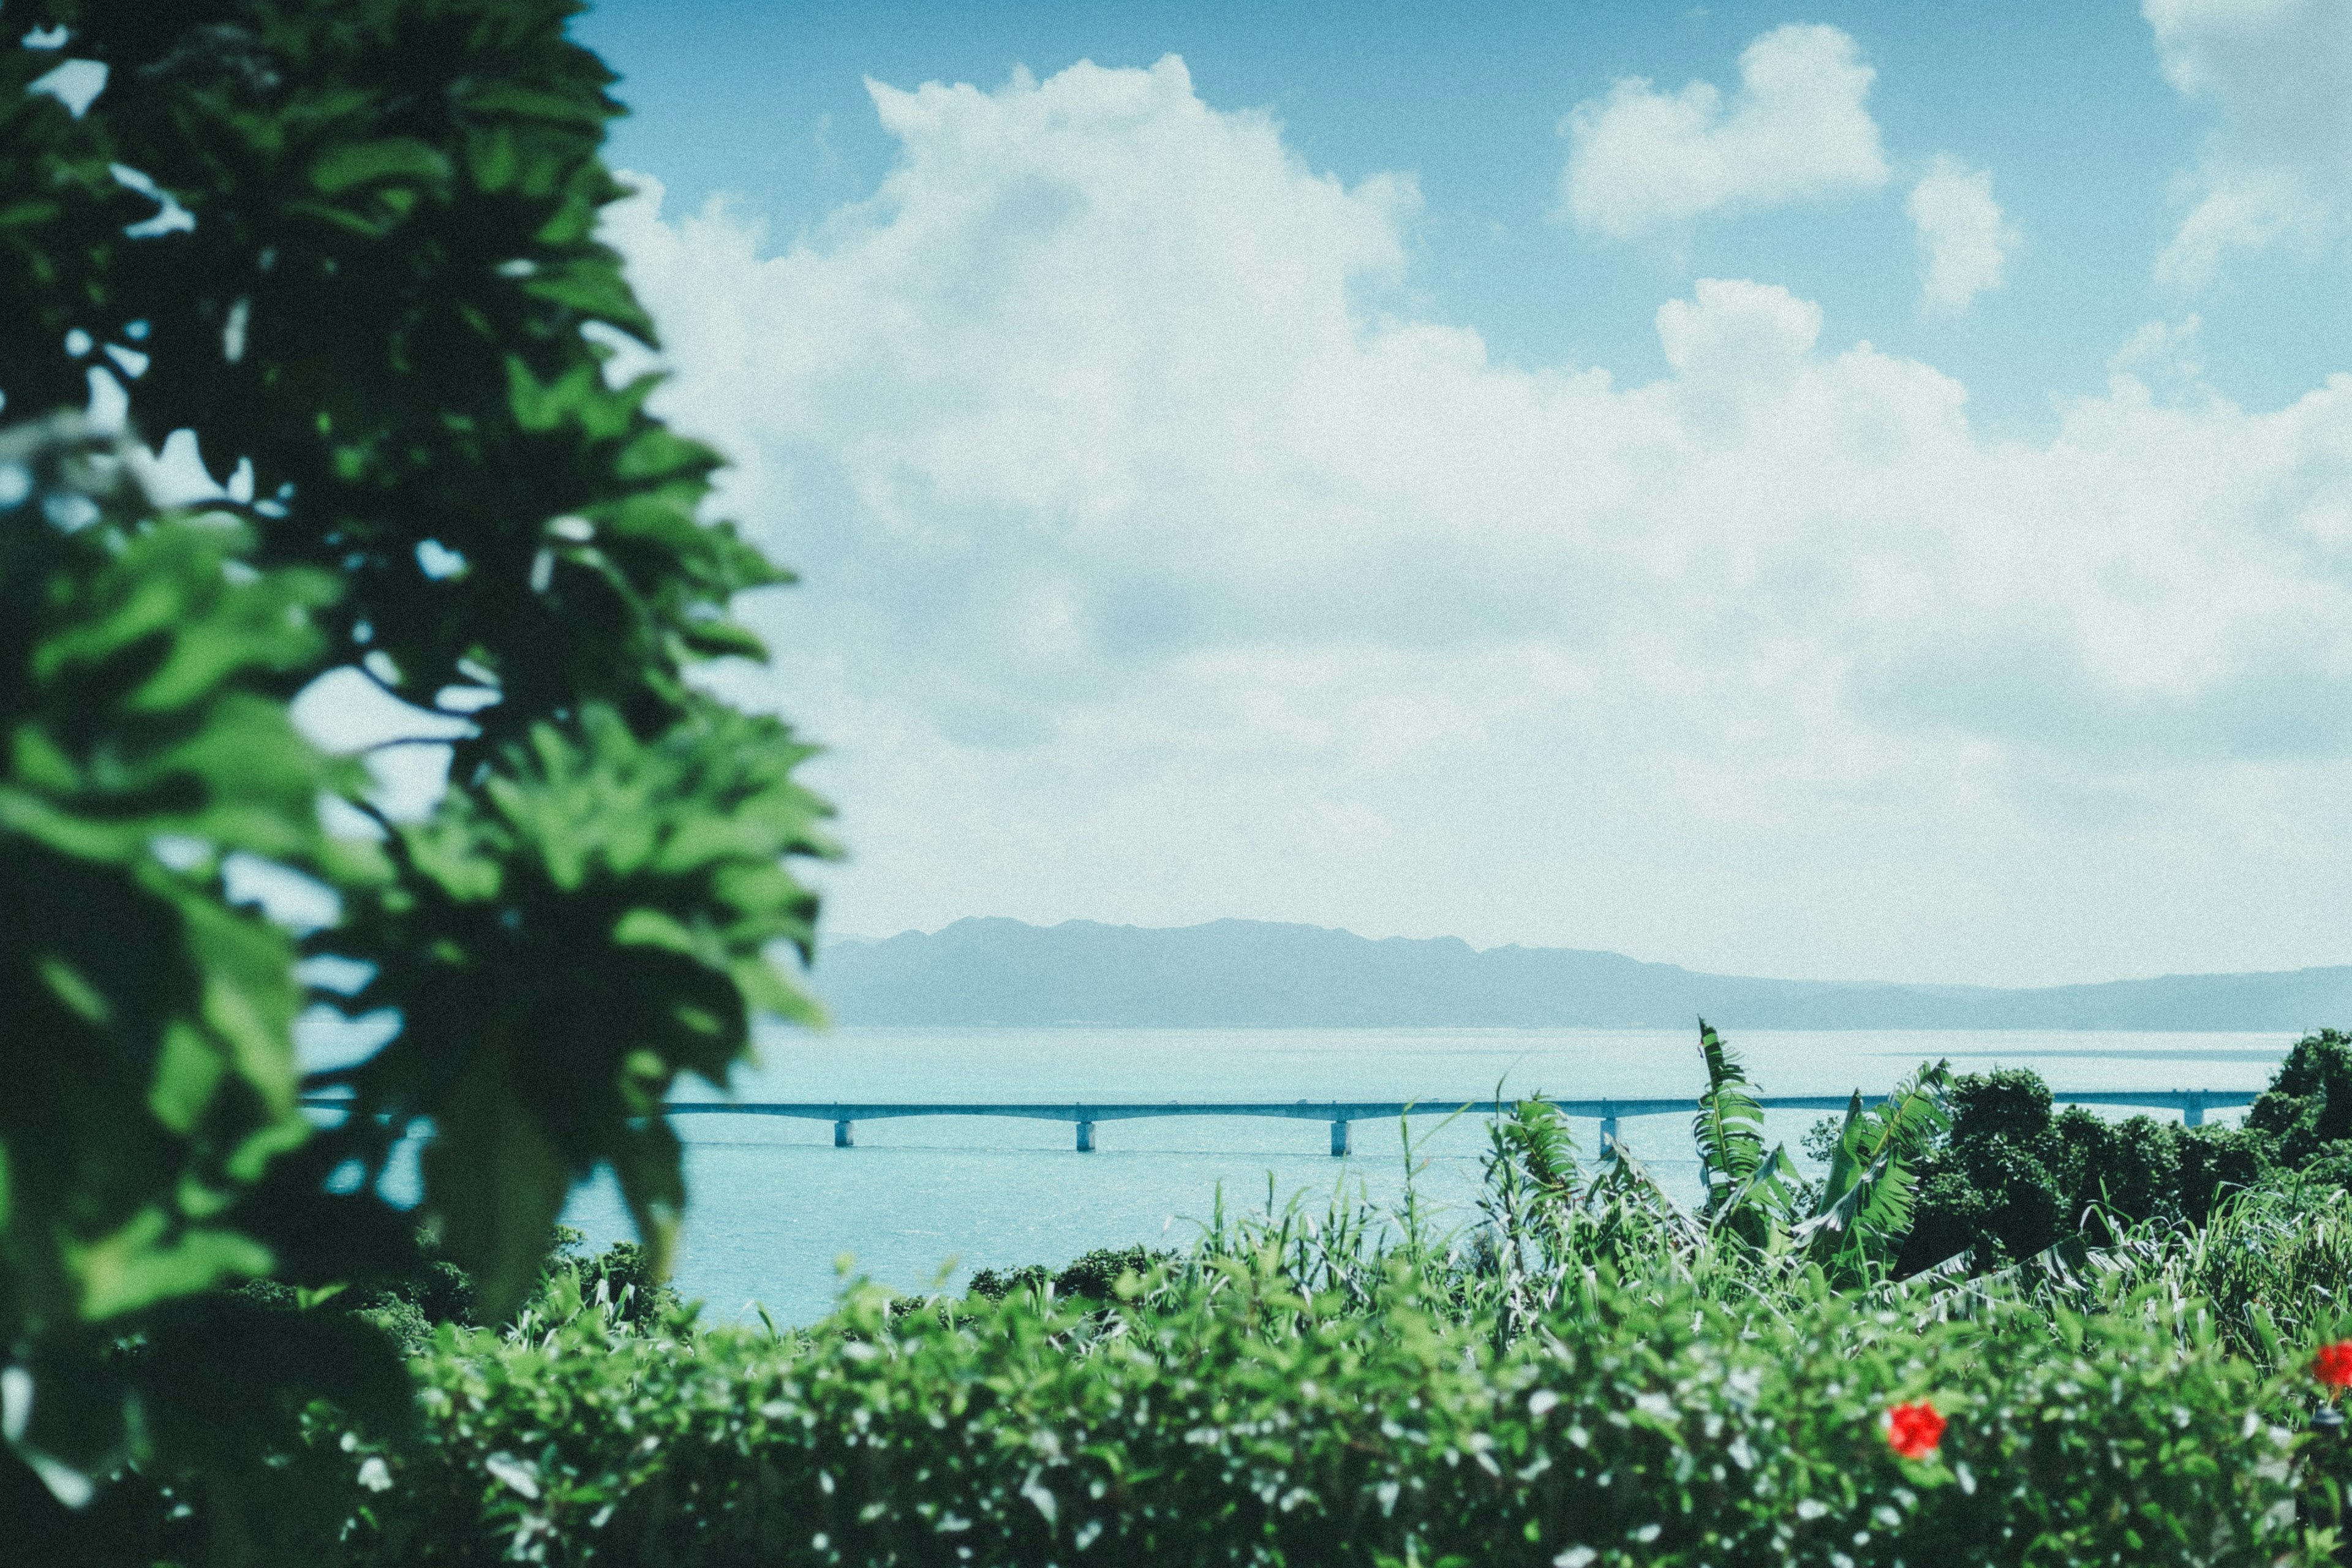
(350, 247)
(2308, 1106)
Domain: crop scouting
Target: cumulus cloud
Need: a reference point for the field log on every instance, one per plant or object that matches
(1641, 161)
(1159, 566)
(2164, 353)
(2277, 171)
(1964, 242)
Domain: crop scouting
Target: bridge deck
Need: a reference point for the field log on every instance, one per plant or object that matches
(1371, 1110)
(1342, 1114)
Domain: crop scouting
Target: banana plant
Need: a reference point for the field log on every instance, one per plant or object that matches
(1864, 1210)
(1749, 1194)
(1730, 1127)
(1861, 1212)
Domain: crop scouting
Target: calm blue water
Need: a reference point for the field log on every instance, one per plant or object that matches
(774, 1209)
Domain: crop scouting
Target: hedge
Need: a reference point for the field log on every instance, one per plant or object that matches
(1234, 1423)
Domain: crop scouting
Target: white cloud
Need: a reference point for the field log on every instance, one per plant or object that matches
(2165, 354)
(1964, 243)
(1641, 161)
(1159, 567)
(2277, 171)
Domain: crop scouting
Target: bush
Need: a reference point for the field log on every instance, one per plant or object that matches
(1596, 1379)
(2011, 1179)
(1223, 1419)
(622, 1277)
(2309, 1108)
(1994, 1188)
(1093, 1277)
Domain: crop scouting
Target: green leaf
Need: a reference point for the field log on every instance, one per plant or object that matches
(543, 406)
(148, 1259)
(587, 110)
(596, 289)
(339, 168)
(496, 1181)
(187, 1075)
(1730, 1127)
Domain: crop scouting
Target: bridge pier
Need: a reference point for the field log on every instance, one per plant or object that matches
(1608, 1132)
(841, 1137)
(1086, 1137)
(2192, 1111)
(1341, 1133)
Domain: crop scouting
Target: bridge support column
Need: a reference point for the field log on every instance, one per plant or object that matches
(1086, 1137)
(2192, 1114)
(1608, 1134)
(1341, 1133)
(842, 1135)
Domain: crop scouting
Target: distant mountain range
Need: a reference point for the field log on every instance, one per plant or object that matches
(1239, 974)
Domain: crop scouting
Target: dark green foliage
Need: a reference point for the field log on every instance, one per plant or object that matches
(408, 1307)
(1996, 1188)
(1093, 1277)
(433, 1293)
(2012, 1104)
(386, 312)
(2309, 1108)
(2215, 1161)
(622, 1278)
(2126, 1171)
(2011, 1179)
(995, 1284)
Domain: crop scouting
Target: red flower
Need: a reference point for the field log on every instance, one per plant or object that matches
(2333, 1364)
(1914, 1430)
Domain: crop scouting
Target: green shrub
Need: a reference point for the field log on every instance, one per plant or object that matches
(2309, 1108)
(620, 1279)
(1594, 1377)
(1092, 1277)
(2216, 1162)
(2011, 1179)
(1222, 1419)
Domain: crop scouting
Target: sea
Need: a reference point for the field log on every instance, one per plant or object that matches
(780, 1219)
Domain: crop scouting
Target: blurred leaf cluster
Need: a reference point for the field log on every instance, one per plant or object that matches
(343, 254)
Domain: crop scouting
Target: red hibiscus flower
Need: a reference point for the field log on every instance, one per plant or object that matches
(2333, 1364)
(1914, 1430)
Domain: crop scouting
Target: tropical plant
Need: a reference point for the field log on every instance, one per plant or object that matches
(1861, 1213)
(1855, 1221)
(343, 253)
(1728, 1132)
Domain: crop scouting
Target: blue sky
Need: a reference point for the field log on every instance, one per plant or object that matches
(766, 105)
(1853, 490)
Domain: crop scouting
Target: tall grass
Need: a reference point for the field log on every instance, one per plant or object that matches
(1554, 1238)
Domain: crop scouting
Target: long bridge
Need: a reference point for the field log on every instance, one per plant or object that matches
(1343, 1114)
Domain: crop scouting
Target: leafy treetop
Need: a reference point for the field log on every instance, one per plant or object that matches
(349, 246)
